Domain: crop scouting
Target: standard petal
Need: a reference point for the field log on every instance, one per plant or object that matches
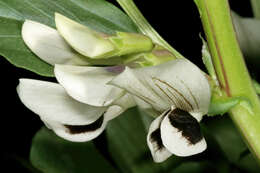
(88, 84)
(154, 141)
(50, 101)
(48, 45)
(139, 84)
(77, 133)
(83, 39)
(181, 133)
(179, 83)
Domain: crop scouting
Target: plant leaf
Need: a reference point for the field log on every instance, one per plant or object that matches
(127, 146)
(227, 136)
(97, 14)
(52, 154)
(194, 167)
(248, 163)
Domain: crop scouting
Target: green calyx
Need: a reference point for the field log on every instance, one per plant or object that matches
(129, 43)
(133, 49)
(98, 45)
(156, 56)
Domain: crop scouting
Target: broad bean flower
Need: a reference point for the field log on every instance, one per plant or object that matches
(179, 93)
(88, 96)
(79, 107)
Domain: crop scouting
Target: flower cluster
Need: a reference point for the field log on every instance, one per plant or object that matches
(87, 96)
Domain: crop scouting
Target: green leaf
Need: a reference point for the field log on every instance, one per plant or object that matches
(146, 119)
(227, 136)
(194, 167)
(52, 154)
(127, 146)
(97, 14)
(249, 163)
(222, 105)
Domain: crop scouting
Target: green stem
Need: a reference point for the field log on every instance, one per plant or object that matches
(231, 70)
(143, 25)
(256, 8)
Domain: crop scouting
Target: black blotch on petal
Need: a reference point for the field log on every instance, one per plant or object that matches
(187, 124)
(156, 138)
(77, 129)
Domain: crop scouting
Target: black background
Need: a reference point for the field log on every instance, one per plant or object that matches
(179, 24)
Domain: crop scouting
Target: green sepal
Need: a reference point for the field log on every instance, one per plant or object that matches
(207, 60)
(219, 106)
(157, 56)
(99, 45)
(129, 43)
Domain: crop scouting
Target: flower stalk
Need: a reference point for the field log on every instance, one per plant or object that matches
(231, 70)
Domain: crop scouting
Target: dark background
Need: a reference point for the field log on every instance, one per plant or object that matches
(179, 25)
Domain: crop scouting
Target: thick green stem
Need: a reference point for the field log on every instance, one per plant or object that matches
(231, 70)
(143, 25)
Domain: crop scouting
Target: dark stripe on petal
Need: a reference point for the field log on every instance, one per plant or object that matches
(187, 124)
(76, 129)
(156, 140)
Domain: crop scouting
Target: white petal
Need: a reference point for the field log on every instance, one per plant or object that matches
(125, 102)
(88, 84)
(154, 141)
(46, 43)
(119, 106)
(147, 108)
(80, 133)
(50, 101)
(179, 83)
(83, 39)
(182, 143)
(88, 132)
(139, 84)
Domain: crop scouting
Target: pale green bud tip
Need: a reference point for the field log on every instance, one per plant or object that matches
(128, 43)
(98, 45)
(157, 56)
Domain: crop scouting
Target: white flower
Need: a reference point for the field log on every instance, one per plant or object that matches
(52, 48)
(68, 117)
(79, 107)
(180, 93)
(76, 44)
